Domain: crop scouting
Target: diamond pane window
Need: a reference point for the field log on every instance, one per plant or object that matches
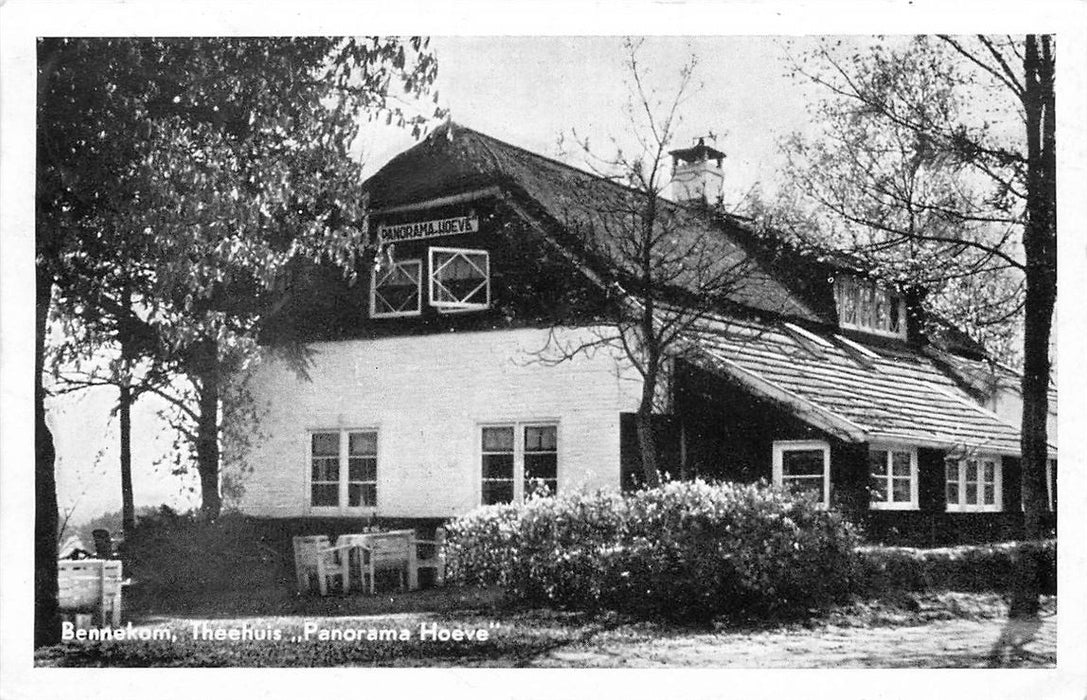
(460, 279)
(397, 289)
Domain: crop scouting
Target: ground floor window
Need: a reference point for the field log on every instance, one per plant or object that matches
(892, 481)
(343, 469)
(974, 484)
(804, 466)
(518, 460)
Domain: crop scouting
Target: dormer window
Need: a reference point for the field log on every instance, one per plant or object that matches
(863, 305)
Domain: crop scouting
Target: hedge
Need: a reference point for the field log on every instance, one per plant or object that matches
(989, 567)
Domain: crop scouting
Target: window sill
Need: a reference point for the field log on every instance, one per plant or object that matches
(396, 314)
(893, 506)
(338, 512)
(974, 509)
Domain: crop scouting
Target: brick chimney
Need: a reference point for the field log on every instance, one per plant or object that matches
(697, 177)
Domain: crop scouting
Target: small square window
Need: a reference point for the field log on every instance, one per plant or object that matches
(518, 461)
(893, 478)
(460, 279)
(397, 290)
(804, 467)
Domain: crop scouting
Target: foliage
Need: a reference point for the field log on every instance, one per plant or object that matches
(915, 171)
(684, 550)
(178, 177)
(176, 554)
(988, 567)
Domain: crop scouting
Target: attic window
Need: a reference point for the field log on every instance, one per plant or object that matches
(864, 305)
(397, 290)
(460, 279)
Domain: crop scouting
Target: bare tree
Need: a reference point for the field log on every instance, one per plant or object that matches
(667, 266)
(942, 154)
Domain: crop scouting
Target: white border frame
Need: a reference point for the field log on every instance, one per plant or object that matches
(448, 306)
(342, 510)
(890, 448)
(998, 486)
(518, 454)
(418, 292)
(782, 446)
(903, 330)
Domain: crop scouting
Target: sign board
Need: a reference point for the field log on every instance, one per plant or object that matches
(394, 233)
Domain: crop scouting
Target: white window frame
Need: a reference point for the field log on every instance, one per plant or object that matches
(890, 449)
(448, 306)
(342, 507)
(866, 292)
(998, 481)
(518, 454)
(783, 446)
(374, 313)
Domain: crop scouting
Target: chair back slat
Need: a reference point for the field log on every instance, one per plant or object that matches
(308, 548)
(83, 583)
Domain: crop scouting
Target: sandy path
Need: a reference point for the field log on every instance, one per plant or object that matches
(937, 644)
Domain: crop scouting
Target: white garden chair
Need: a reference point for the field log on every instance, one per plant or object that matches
(427, 554)
(382, 551)
(316, 559)
(91, 584)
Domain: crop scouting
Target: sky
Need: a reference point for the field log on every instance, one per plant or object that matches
(529, 91)
(532, 91)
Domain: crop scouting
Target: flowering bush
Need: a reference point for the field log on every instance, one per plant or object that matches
(683, 550)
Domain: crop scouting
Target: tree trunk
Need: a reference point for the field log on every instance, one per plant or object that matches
(128, 506)
(1039, 244)
(46, 610)
(647, 439)
(207, 433)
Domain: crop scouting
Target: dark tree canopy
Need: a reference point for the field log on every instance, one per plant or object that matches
(176, 178)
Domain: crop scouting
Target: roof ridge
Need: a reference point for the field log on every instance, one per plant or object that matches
(679, 205)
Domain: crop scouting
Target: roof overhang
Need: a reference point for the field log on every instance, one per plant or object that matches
(839, 426)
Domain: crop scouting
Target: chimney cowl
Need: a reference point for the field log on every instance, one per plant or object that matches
(697, 175)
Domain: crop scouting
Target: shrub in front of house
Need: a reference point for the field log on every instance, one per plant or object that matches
(687, 550)
(982, 567)
(171, 554)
